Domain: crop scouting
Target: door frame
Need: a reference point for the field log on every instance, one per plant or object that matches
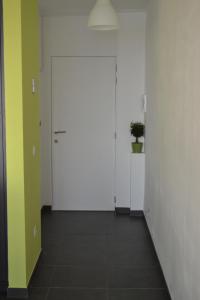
(115, 121)
(3, 184)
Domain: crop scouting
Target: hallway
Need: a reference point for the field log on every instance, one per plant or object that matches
(88, 256)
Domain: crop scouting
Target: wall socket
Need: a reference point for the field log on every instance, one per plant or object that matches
(34, 88)
(34, 151)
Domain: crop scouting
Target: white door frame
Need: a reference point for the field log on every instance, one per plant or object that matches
(115, 123)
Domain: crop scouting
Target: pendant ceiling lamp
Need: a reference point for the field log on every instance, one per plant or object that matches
(103, 16)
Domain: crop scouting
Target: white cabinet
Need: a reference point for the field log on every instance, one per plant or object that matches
(137, 181)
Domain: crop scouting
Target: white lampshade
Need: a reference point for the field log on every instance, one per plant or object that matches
(103, 16)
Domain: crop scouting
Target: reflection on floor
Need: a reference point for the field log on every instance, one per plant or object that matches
(88, 256)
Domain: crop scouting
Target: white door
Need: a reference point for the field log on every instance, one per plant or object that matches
(83, 143)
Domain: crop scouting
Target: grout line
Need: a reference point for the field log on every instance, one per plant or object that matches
(93, 267)
(78, 288)
(107, 294)
(47, 294)
(138, 289)
(98, 288)
(86, 266)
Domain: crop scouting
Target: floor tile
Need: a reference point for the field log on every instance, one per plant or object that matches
(79, 277)
(50, 254)
(83, 250)
(139, 295)
(130, 252)
(129, 226)
(42, 276)
(127, 277)
(37, 293)
(89, 223)
(65, 294)
(55, 237)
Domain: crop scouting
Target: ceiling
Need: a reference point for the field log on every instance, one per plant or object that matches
(78, 7)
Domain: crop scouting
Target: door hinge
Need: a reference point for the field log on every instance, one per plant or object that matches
(115, 199)
(115, 135)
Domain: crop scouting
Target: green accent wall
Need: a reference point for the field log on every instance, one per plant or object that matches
(21, 57)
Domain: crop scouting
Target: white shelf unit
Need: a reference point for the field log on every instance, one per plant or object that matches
(137, 181)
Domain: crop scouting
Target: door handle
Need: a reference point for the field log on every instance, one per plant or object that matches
(60, 132)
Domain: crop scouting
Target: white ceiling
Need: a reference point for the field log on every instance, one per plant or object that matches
(78, 7)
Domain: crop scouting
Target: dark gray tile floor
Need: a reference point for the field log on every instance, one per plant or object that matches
(97, 256)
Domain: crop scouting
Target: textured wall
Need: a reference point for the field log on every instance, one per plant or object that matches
(173, 140)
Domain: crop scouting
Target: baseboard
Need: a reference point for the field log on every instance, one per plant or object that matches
(46, 209)
(126, 211)
(13, 293)
(122, 211)
(137, 213)
(154, 246)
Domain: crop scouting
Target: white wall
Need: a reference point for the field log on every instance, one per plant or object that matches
(70, 36)
(130, 90)
(172, 142)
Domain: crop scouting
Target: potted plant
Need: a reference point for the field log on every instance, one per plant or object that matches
(137, 130)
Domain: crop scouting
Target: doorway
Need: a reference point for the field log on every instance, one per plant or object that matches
(83, 133)
(3, 210)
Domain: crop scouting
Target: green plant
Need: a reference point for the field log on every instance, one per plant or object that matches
(137, 130)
